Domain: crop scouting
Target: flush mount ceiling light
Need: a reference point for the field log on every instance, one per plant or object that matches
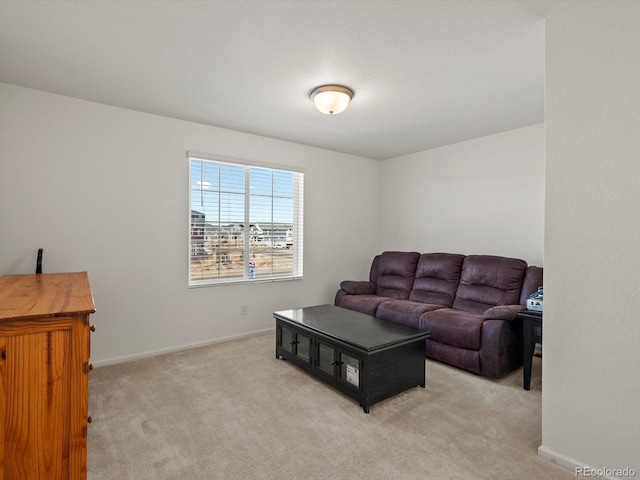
(331, 99)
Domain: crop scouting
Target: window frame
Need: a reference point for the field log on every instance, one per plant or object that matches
(298, 223)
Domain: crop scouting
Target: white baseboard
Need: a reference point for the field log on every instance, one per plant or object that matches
(151, 353)
(568, 463)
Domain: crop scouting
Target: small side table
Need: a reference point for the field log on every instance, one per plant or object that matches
(532, 334)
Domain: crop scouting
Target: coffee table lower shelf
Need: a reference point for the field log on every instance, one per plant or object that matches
(366, 375)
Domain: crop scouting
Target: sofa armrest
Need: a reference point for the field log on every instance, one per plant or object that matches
(502, 312)
(358, 287)
(501, 347)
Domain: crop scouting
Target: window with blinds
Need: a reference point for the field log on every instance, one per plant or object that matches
(246, 222)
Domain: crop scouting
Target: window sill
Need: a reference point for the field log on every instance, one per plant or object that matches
(204, 284)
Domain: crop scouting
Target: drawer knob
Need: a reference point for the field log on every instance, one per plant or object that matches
(3, 354)
(89, 419)
(92, 328)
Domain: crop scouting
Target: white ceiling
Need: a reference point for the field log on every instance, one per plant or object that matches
(425, 73)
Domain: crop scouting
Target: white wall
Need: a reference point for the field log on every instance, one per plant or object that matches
(104, 189)
(591, 380)
(482, 196)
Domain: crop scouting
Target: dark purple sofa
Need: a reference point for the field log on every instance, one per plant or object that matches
(468, 303)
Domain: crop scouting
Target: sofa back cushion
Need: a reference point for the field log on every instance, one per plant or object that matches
(396, 271)
(437, 278)
(487, 281)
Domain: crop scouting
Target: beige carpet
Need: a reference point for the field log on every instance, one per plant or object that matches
(233, 411)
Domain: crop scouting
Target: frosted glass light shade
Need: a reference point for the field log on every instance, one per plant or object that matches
(331, 99)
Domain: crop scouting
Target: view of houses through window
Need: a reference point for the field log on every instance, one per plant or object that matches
(246, 222)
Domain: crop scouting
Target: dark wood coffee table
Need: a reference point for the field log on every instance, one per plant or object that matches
(367, 358)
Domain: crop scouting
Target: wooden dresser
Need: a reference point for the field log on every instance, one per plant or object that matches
(44, 367)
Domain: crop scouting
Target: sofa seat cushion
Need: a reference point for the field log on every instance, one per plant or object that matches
(453, 327)
(405, 312)
(362, 303)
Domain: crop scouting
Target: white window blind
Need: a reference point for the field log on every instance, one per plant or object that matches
(246, 222)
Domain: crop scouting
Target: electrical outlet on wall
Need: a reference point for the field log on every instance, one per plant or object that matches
(244, 309)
